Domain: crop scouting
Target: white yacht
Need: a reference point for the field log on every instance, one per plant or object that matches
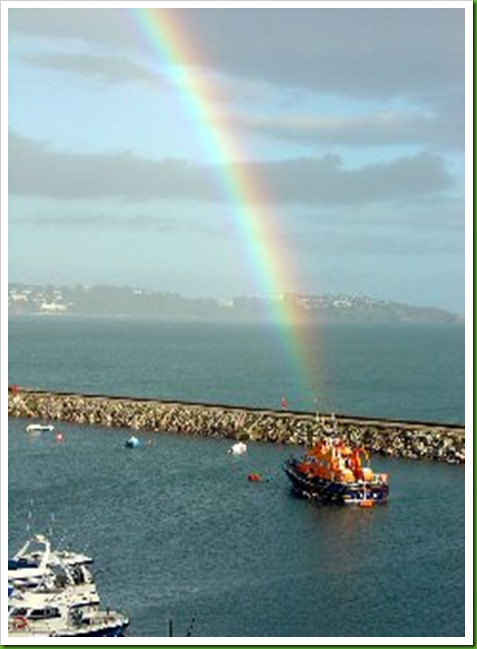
(53, 593)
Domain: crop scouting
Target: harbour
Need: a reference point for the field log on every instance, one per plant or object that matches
(182, 529)
(178, 531)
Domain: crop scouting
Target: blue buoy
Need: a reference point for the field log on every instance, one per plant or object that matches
(132, 442)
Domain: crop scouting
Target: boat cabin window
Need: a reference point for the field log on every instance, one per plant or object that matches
(61, 578)
(19, 612)
(78, 575)
(44, 613)
(21, 563)
(20, 583)
(81, 606)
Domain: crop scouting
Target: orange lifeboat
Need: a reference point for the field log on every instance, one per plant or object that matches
(334, 471)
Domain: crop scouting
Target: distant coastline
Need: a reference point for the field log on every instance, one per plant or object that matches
(109, 301)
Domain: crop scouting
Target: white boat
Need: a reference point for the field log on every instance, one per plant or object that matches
(52, 592)
(39, 428)
(36, 562)
(62, 613)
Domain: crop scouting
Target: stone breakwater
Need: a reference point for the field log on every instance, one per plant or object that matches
(444, 443)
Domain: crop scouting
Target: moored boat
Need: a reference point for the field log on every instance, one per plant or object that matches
(238, 449)
(132, 442)
(332, 471)
(36, 563)
(53, 593)
(39, 428)
(61, 613)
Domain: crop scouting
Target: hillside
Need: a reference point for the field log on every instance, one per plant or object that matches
(124, 301)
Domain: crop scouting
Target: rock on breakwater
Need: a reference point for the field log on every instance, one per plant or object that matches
(441, 442)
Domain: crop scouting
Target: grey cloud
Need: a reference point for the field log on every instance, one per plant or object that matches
(98, 26)
(108, 69)
(440, 129)
(111, 221)
(359, 52)
(377, 52)
(438, 122)
(100, 221)
(325, 181)
(34, 169)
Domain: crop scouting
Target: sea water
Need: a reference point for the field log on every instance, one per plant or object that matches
(401, 371)
(177, 531)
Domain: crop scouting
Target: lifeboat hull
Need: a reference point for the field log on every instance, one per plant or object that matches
(329, 491)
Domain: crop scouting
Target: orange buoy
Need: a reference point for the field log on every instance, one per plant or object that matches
(254, 477)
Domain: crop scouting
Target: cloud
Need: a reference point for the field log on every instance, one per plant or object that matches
(355, 52)
(81, 25)
(100, 221)
(35, 169)
(439, 129)
(325, 181)
(292, 56)
(106, 69)
(374, 52)
(116, 217)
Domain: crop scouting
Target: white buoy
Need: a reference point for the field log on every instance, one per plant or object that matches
(238, 449)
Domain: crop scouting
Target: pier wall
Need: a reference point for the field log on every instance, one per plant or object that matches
(416, 440)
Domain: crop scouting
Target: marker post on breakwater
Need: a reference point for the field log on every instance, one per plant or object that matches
(413, 440)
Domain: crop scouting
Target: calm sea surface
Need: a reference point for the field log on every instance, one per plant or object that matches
(176, 529)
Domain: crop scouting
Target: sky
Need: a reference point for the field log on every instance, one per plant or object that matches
(216, 151)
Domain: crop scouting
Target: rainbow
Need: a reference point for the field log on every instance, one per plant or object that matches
(273, 274)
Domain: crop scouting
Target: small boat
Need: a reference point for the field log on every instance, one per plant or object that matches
(238, 449)
(132, 442)
(39, 428)
(53, 593)
(334, 472)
